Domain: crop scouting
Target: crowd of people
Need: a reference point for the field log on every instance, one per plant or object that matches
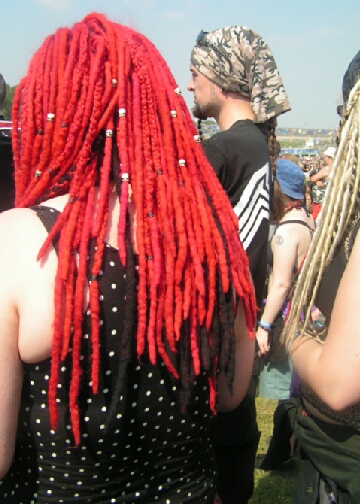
(317, 171)
(154, 282)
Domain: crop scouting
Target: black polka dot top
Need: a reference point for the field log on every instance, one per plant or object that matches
(150, 453)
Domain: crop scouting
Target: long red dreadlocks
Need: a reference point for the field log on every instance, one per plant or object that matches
(99, 101)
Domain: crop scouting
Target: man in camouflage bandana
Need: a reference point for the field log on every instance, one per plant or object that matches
(238, 60)
(235, 80)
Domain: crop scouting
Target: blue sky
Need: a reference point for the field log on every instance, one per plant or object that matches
(312, 41)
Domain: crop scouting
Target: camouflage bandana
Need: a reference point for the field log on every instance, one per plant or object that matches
(238, 60)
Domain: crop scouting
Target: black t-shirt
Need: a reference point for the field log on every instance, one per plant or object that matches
(240, 158)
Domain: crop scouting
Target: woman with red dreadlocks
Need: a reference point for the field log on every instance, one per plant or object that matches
(126, 304)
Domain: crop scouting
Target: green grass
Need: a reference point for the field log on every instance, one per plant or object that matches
(271, 487)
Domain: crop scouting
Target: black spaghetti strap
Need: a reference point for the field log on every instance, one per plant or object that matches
(294, 221)
(48, 217)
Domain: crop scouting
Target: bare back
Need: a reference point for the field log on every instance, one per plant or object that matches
(290, 243)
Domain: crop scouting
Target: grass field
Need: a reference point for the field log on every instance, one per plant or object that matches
(271, 487)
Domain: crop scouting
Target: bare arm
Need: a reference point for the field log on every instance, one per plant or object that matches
(11, 367)
(332, 370)
(320, 175)
(244, 358)
(284, 246)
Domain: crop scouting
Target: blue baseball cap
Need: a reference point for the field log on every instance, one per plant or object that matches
(291, 178)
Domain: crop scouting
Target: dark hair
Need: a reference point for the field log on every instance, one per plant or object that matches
(350, 78)
(278, 203)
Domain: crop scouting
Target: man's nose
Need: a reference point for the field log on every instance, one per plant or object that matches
(190, 86)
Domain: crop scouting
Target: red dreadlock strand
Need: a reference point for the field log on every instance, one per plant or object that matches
(193, 333)
(56, 347)
(148, 184)
(65, 103)
(123, 147)
(167, 171)
(159, 340)
(69, 295)
(94, 300)
(138, 194)
(82, 270)
(55, 230)
(19, 179)
(104, 178)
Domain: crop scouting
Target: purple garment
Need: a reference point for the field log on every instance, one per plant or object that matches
(295, 390)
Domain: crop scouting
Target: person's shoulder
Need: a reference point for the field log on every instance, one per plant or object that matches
(11, 219)
(20, 239)
(243, 135)
(22, 235)
(16, 219)
(290, 225)
(20, 228)
(248, 130)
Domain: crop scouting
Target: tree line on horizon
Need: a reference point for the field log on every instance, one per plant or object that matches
(10, 91)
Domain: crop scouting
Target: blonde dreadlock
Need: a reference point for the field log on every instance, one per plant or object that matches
(340, 207)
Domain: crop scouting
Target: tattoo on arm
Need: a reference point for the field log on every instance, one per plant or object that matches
(279, 240)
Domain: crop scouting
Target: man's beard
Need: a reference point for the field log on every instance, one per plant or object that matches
(200, 111)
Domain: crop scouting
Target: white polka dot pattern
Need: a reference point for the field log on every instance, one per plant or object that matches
(150, 453)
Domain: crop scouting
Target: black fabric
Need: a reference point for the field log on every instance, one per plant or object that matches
(7, 186)
(236, 467)
(235, 436)
(279, 450)
(332, 276)
(295, 221)
(240, 158)
(48, 217)
(151, 452)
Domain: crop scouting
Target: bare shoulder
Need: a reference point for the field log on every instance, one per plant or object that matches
(284, 232)
(294, 224)
(16, 220)
(26, 284)
(20, 227)
(21, 237)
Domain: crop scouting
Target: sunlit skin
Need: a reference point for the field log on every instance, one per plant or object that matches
(324, 172)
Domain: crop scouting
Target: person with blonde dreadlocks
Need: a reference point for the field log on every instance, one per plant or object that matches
(126, 304)
(235, 80)
(327, 423)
